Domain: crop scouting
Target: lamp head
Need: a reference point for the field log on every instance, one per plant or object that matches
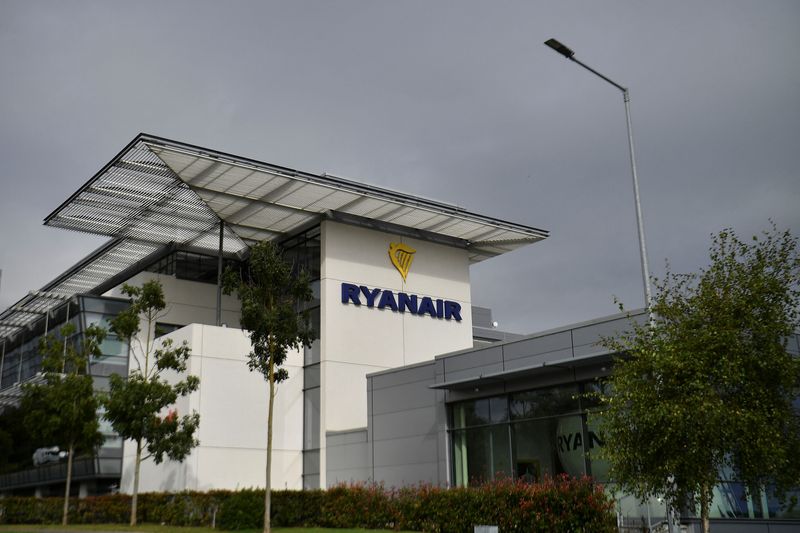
(560, 48)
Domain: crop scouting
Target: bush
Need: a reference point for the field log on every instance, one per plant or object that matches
(242, 509)
(556, 505)
(358, 506)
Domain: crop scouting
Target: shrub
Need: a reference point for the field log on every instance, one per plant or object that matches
(357, 506)
(243, 509)
(561, 504)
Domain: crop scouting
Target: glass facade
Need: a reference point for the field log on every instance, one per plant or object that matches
(191, 266)
(545, 432)
(303, 252)
(524, 435)
(21, 360)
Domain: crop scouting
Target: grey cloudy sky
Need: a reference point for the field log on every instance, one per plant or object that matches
(457, 101)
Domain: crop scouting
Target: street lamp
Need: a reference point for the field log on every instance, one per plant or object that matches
(569, 54)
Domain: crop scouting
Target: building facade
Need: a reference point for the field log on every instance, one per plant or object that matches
(406, 381)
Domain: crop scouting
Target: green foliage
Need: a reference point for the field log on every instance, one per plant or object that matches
(556, 505)
(362, 506)
(62, 410)
(271, 295)
(134, 405)
(706, 388)
(16, 442)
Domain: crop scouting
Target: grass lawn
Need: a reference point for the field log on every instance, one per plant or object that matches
(151, 528)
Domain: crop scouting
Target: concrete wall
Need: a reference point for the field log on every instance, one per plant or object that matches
(357, 340)
(188, 302)
(232, 403)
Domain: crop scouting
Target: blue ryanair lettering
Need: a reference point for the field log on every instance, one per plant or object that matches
(411, 303)
(387, 300)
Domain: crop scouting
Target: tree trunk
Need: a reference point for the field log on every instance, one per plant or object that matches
(69, 484)
(705, 504)
(135, 496)
(268, 491)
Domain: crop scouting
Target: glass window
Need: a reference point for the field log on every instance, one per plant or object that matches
(549, 447)
(544, 402)
(480, 412)
(163, 328)
(481, 454)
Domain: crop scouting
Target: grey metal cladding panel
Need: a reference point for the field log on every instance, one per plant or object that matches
(555, 342)
(425, 373)
(348, 457)
(405, 451)
(345, 437)
(400, 476)
(311, 376)
(476, 358)
(481, 317)
(591, 334)
(590, 349)
(404, 423)
(474, 372)
(522, 362)
(401, 398)
(311, 462)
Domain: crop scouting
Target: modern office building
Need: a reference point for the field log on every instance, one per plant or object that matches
(391, 283)
(406, 382)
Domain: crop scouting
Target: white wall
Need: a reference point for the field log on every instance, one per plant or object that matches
(232, 403)
(357, 340)
(188, 302)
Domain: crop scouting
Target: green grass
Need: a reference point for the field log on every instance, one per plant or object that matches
(152, 528)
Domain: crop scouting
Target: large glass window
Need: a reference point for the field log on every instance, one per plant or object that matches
(526, 435)
(481, 454)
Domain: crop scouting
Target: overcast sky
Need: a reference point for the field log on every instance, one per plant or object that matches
(456, 101)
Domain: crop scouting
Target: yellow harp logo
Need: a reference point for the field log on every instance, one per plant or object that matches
(401, 256)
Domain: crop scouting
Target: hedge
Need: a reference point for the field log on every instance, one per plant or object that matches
(555, 505)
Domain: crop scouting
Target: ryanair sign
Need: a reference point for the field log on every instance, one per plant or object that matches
(401, 303)
(401, 256)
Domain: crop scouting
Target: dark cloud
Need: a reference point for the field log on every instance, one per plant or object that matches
(458, 101)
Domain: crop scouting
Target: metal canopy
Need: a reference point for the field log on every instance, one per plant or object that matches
(157, 192)
(569, 364)
(261, 201)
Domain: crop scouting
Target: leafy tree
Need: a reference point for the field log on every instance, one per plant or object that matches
(134, 406)
(62, 410)
(16, 442)
(707, 386)
(271, 295)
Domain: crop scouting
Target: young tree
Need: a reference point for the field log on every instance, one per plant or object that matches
(707, 385)
(62, 410)
(135, 404)
(271, 296)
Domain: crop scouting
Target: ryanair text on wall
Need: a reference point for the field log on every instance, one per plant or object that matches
(402, 303)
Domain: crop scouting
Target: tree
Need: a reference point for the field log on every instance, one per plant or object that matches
(707, 385)
(135, 406)
(271, 296)
(62, 410)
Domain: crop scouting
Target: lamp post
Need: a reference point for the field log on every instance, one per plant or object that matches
(569, 54)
